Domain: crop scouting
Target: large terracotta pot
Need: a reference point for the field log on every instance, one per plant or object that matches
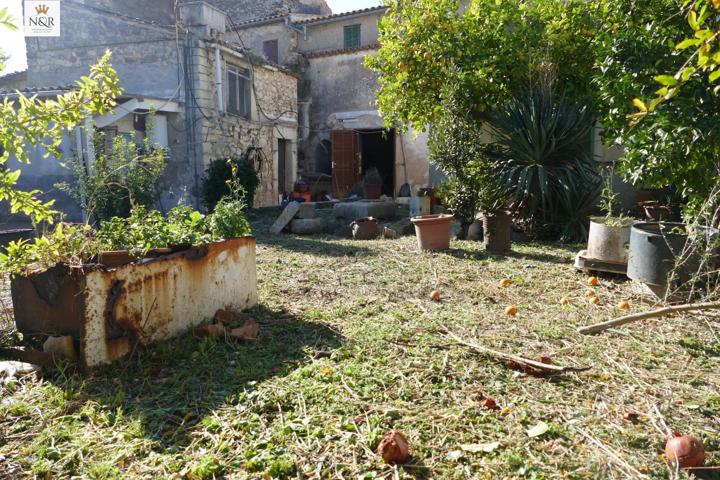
(433, 231)
(373, 191)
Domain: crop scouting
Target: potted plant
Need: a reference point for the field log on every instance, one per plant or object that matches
(372, 184)
(493, 197)
(609, 236)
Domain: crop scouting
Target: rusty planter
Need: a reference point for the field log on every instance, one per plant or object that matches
(110, 311)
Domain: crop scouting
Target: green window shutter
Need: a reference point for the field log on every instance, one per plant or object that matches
(352, 36)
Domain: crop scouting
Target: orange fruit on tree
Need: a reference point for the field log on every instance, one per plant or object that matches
(512, 311)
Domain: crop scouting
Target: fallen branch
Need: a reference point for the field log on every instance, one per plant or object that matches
(525, 363)
(601, 327)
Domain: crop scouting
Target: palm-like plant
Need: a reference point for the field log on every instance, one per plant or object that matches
(542, 145)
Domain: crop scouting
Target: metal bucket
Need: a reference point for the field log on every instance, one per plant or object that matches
(609, 243)
(654, 248)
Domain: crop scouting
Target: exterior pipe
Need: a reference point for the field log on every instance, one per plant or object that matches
(219, 81)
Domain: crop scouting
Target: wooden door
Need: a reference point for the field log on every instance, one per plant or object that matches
(345, 164)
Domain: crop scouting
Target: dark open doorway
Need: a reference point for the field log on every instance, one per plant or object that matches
(377, 149)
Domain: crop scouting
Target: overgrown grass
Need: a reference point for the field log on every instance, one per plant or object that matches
(350, 348)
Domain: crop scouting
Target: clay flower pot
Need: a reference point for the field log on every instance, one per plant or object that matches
(433, 231)
(364, 228)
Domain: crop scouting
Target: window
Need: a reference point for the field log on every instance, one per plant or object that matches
(352, 36)
(239, 94)
(270, 50)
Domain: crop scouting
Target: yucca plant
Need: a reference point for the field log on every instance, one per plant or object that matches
(542, 144)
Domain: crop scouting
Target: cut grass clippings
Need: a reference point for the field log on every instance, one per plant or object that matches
(351, 348)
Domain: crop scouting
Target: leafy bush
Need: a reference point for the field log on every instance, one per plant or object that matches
(543, 146)
(456, 147)
(122, 175)
(215, 181)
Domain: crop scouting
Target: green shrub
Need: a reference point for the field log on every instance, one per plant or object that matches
(122, 175)
(215, 181)
(542, 143)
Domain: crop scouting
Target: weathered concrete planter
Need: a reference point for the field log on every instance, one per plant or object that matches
(609, 242)
(109, 311)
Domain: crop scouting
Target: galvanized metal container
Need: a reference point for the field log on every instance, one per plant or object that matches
(609, 242)
(653, 250)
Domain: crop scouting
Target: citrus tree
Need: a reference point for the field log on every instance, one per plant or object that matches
(491, 48)
(677, 145)
(35, 123)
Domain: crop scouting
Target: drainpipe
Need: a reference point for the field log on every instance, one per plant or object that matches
(81, 156)
(219, 81)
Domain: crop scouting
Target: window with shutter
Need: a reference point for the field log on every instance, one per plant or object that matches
(352, 36)
(270, 50)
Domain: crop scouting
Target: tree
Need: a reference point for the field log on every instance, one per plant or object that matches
(492, 48)
(27, 123)
(676, 145)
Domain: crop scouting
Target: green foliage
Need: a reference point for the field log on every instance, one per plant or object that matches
(6, 21)
(70, 244)
(220, 172)
(29, 123)
(542, 144)
(228, 220)
(676, 145)
(456, 147)
(122, 175)
(492, 48)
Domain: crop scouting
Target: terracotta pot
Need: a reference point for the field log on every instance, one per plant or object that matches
(364, 228)
(373, 191)
(433, 231)
(497, 229)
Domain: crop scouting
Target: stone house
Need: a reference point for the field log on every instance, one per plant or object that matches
(209, 99)
(342, 135)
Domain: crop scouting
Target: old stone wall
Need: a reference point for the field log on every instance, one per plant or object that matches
(273, 117)
(253, 38)
(331, 36)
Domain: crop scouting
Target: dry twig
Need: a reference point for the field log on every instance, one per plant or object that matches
(601, 327)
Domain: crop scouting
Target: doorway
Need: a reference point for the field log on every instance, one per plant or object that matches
(377, 151)
(283, 167)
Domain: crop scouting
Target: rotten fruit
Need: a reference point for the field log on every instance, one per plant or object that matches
(394, 448)
(685, 451)
(435, 296)
(512, 311)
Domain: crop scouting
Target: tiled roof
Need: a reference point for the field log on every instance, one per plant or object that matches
(40, 90)
(255, 21)
(340, 15)
(341, 51)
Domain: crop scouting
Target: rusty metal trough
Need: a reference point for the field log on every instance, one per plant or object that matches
(110, 311)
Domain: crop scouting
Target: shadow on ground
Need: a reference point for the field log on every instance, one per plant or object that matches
(320, 246)
(170, 387)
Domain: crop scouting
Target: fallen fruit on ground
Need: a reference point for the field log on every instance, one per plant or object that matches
(565, 301)
(593, 281)
(512, 311)
(595, 301)
(505, 282)
(590, 293)
(624, 305)
(435, 296)
(394, 448)
(546, 360)
(685, 451)
(631, 416)
(490, 404)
